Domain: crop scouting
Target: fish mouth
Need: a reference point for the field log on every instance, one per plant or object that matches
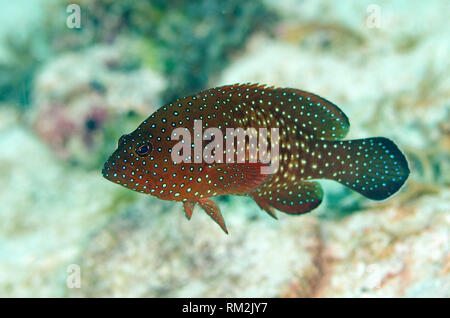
(107, 171)
(110, 167)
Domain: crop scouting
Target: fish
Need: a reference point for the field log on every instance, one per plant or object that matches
(310, 146)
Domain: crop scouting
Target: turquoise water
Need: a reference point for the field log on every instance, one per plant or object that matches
(68, 94)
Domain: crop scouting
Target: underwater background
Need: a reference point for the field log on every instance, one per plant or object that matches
(67, 94)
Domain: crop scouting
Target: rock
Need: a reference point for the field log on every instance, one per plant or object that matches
(151, 250)
(390, 251)
(47, 212)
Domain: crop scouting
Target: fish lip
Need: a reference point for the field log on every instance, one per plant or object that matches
(107, 171)
(104, 173)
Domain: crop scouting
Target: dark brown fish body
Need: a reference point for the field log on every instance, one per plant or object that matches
(310, 148)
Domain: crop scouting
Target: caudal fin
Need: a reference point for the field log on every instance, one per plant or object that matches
(374, 167)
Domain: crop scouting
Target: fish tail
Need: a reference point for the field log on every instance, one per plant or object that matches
(374, 167)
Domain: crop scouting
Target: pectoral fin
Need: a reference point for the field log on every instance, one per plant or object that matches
(188, 208)
(236, 178)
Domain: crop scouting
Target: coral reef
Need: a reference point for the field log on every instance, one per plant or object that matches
(46, 213)
(390, 251)
(150, 250)
(194, 39)
(80, 97)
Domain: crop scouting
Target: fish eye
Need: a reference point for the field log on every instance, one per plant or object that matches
(144, 150)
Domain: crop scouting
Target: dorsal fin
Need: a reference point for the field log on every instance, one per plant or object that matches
(313, 113)
(307, 111)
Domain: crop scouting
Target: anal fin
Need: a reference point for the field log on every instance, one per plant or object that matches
(265, 205)
(299, 198)
(212, 209)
